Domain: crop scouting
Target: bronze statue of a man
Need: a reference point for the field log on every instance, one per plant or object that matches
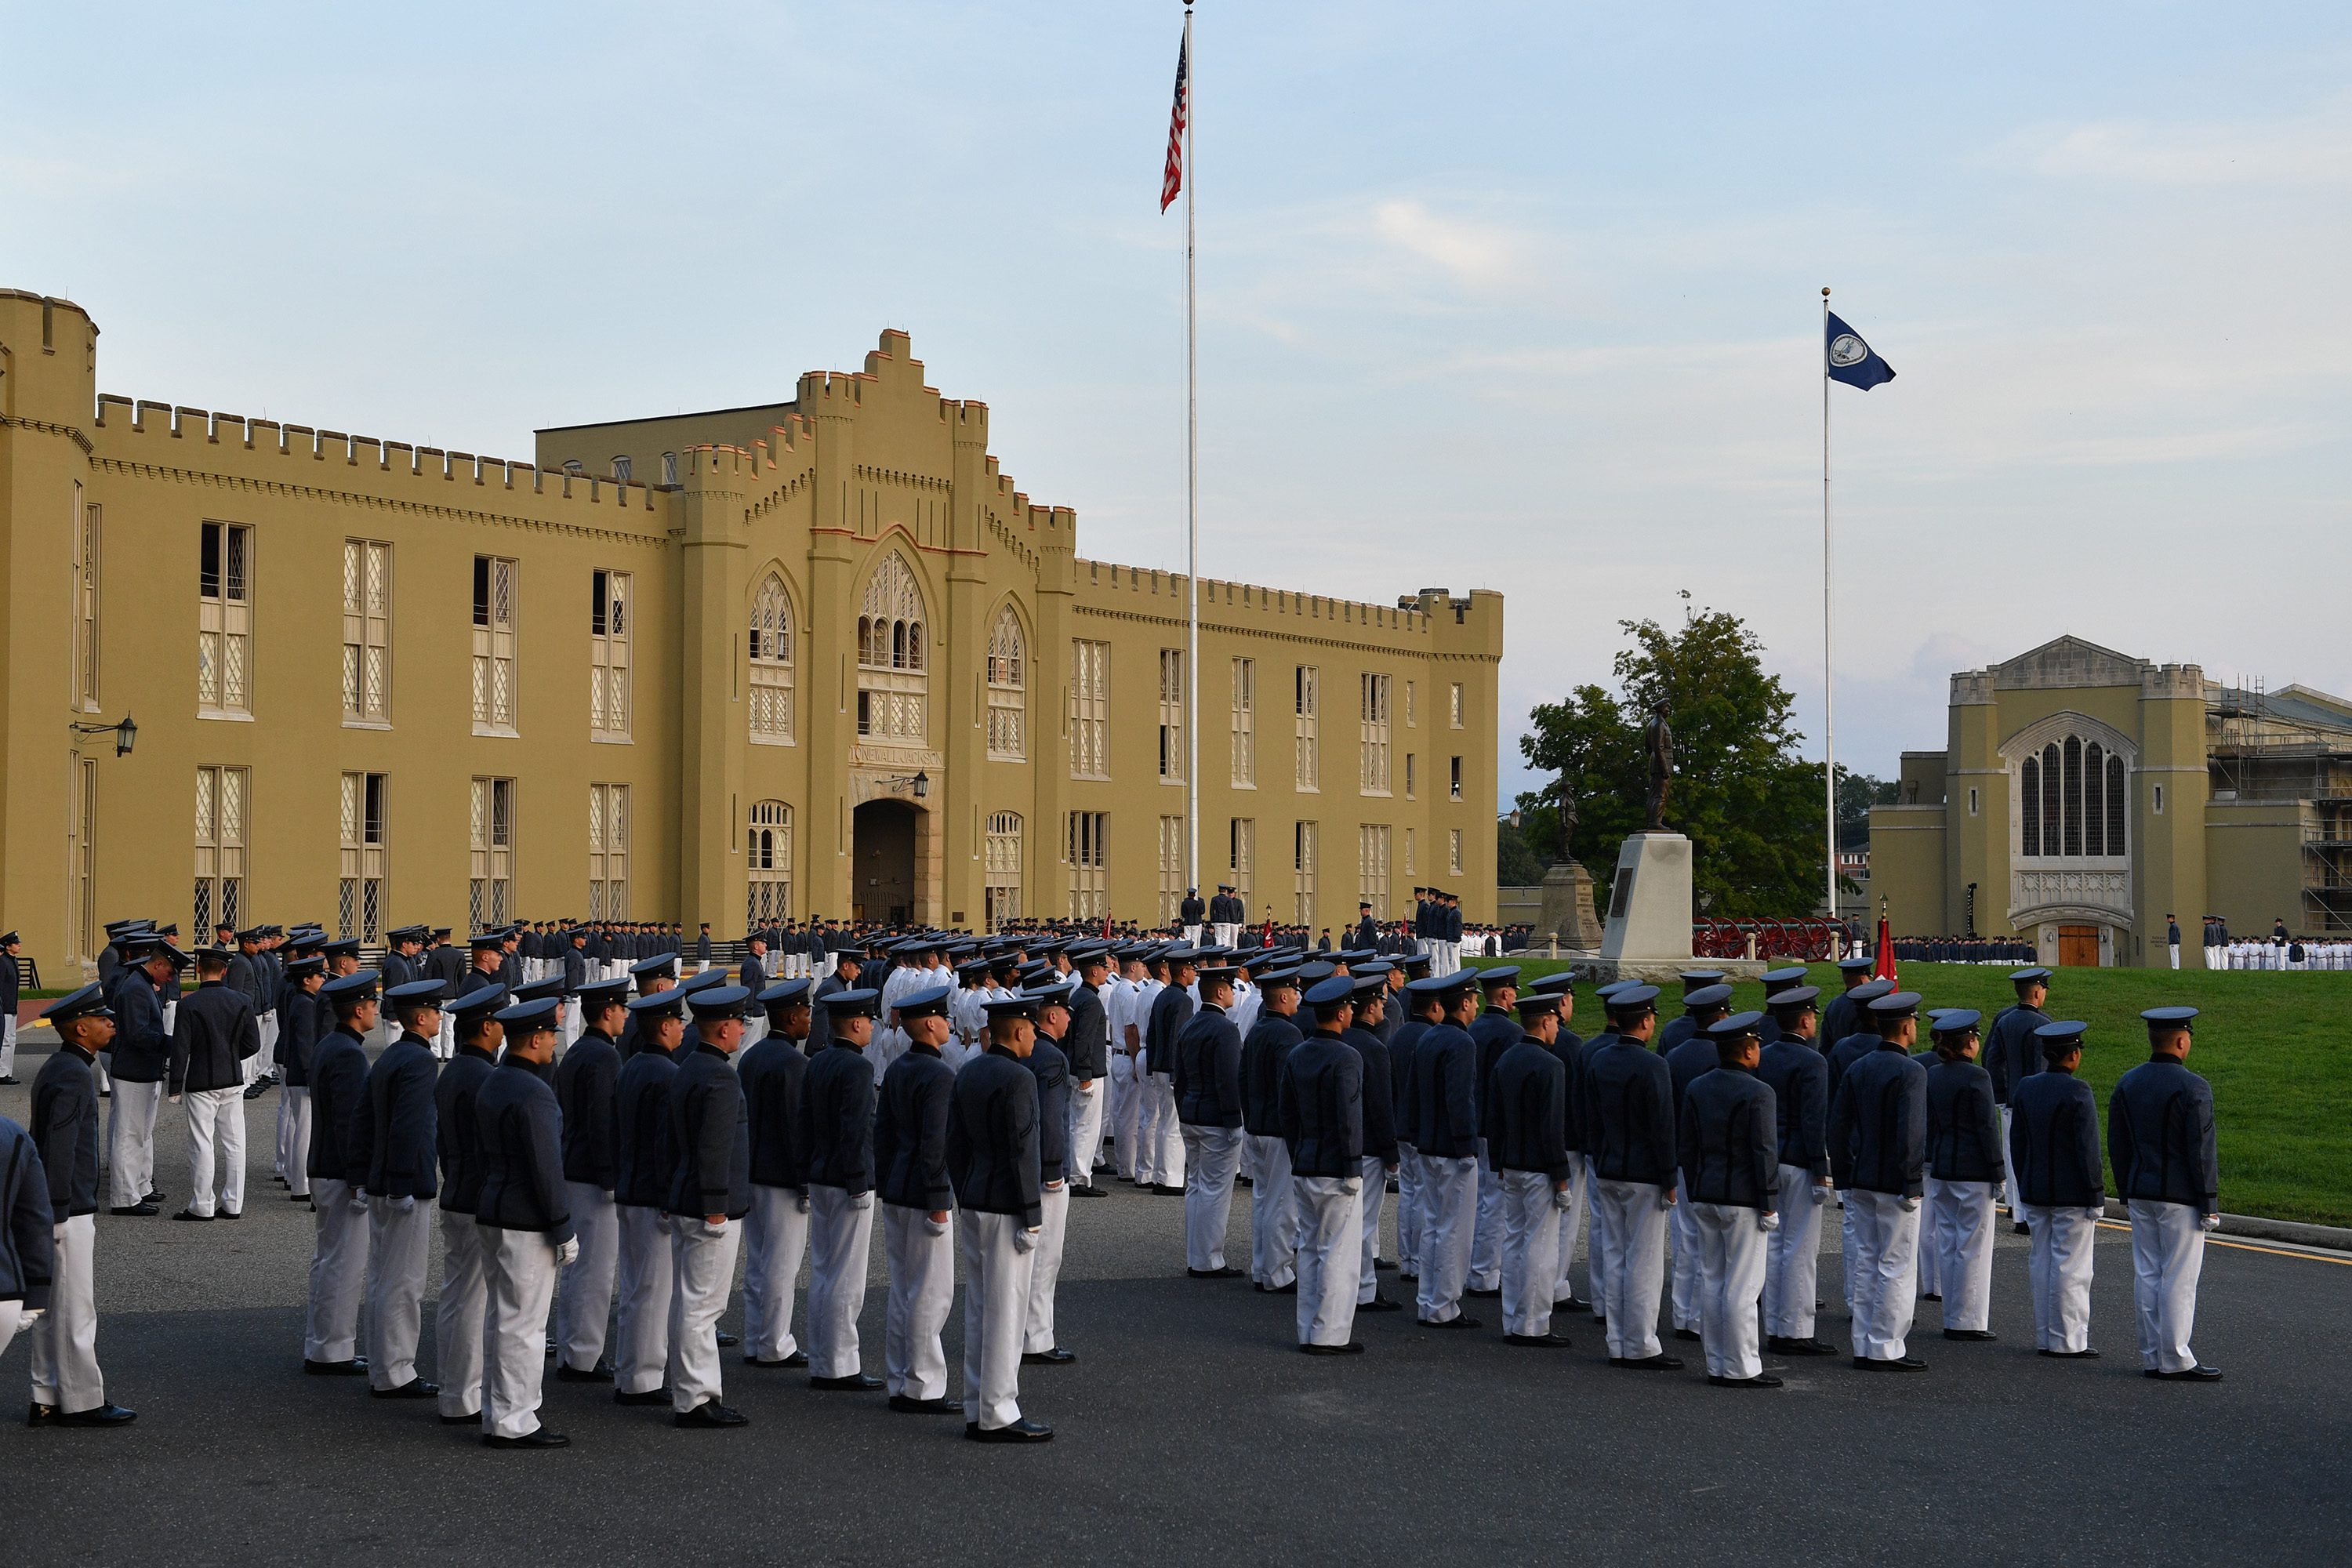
(1658, 743)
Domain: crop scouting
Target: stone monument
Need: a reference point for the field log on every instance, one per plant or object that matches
(1648, 933)
(1568, 908)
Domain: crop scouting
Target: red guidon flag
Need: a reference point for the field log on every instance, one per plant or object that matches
(1171, 179)
(1884, 968)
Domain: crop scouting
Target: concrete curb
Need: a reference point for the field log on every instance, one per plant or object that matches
(2255, 1228)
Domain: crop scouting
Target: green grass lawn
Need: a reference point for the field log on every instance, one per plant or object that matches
(2266, 1041)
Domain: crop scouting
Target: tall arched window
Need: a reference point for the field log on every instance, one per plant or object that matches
(1001, 889)
(891, 682)
(768, 865)
(1008, 680)
(2071, 801)
(770, 650)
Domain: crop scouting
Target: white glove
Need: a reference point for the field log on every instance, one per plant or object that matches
(1564, 1199)
(2209, 1222)
(29, 1316)
(935, 1227)
(567, 1252)
(861, 1201)
(1353, 1185)
(1766, 1221)
(800, 1201)
(663, 1224)
(405, 1205)
(2095, 1214)
(358, 1200)
(1910, 1205)
(1023, 1240)
(1820, 1192)
(1666, 1198)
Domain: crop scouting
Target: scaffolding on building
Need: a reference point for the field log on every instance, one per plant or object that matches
(2291, 747)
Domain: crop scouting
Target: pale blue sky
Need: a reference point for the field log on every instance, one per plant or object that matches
(1509, 296)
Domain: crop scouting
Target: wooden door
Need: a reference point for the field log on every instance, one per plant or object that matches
(2078, 946)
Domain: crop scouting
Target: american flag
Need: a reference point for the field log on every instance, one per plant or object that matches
(1171, 179)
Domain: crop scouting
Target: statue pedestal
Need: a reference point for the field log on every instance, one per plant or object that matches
(1650, 901)
(1568, 908)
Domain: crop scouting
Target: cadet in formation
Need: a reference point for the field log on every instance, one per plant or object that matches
(645, 1272)
(1799, 1076)
(776, 1234)
(68, 1389)
(465, 1272)
(1320, 1105)
(587, 1091)
(1049, 1063)
(524, 1224)
(1445, 1134)
(1525, 1121)
(1964, 1170)
(1207, 1081)
(1274, 1222)
(396, 1165)
(1727, 1145)
(910, 1165)
(1629, 1135)
(837, 1139)
(993, 1161)
(710, 1193)
(2160, 1142)
(2053, 1144)
(1878, 1145)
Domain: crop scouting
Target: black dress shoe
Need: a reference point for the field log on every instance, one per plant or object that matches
(1265, 1289)
(2187, 1374)
(1979, 1336)
(356, 1367)
(650, 1396)
(2070, 1355)
(1353, 1347)
(1900, 1363)
(1057, 1356)
(1659, 1363)
(1464, 1322)
(194, 1216)
(2020, 1228)
(415, 1388)
(1163, 1192)
(156, 1198)
(601, 1373)
(1532, 1341)
(1931, 1295)
(473, 1420)
(727, 1341)
(1409, 1279)
(1100, 1166)
(5, 1082)
(1779, 1344)
(231, 1213)
(1393, 1183)
(798, 1358)
(136, 1211)
(97, 1416)
(710, 1413)
(1383, 1265)
(855, 1383)
(907, 1405)
(538, 1437)
(1477, 1295)
(1686, 1333)
(1226, 1271)
(1243, 1181)
(297, 1197)
(1024, 1431)
(1088, 1191)
(1761, 1380)
(1380, 1303)
(1572, 1305)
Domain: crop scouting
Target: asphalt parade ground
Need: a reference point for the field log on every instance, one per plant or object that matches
(1190, 1430)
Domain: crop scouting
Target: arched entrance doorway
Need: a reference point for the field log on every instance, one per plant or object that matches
(882, 846)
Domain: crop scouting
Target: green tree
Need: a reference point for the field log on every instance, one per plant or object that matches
(1858, 793)
(1750, 806)
(1516, 865)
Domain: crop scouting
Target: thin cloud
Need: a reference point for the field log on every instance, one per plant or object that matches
(2310, 150)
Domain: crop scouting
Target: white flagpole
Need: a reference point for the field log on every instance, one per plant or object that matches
(1829, 707)
(1191, 498)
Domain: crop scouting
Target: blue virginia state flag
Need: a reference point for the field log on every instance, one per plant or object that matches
(1851, 360)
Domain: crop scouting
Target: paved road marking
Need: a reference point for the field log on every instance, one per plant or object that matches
(2311, 1256)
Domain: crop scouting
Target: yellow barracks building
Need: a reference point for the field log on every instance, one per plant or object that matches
(818, 657)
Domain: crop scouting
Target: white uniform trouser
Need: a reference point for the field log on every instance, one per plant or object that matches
(1274, 1214)
(1408, 1209)
(339, 1259)
(1530, 1252)
(1126, 1108)
(1086, 1129)
(1570, 1221)
(1683, 1227)
(2175, 954)
(2059, 1266)
(1880, 1272)
(1927, 1276)
(1449, 1213)
(444, 1043)
(1731, 1277)
(775, 1238)
(400, 1232)
(2167, 1254)
(1168, 1133)
(1596, 1243)
(1633, 1226)
(1209, 1158)
(131, 1140)
(1045, 1267)
(922, 1292)
(1959, 1229)
(2009, 1171)
(284, 1131)
(1486, 1231)
(12, 1314)
(1226, 933)
(461, 1322)
(1330, 1253)
(8, 1048)
(647, 1278)
(996, 1270)
(215, 1145)
(1792, 1256)
(1374, 1191)
(1192, 936)
(519, 1282)
(703, 1254)
(65, 1339)
(252, 1066)
(841, 1233)
(585, 1307)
